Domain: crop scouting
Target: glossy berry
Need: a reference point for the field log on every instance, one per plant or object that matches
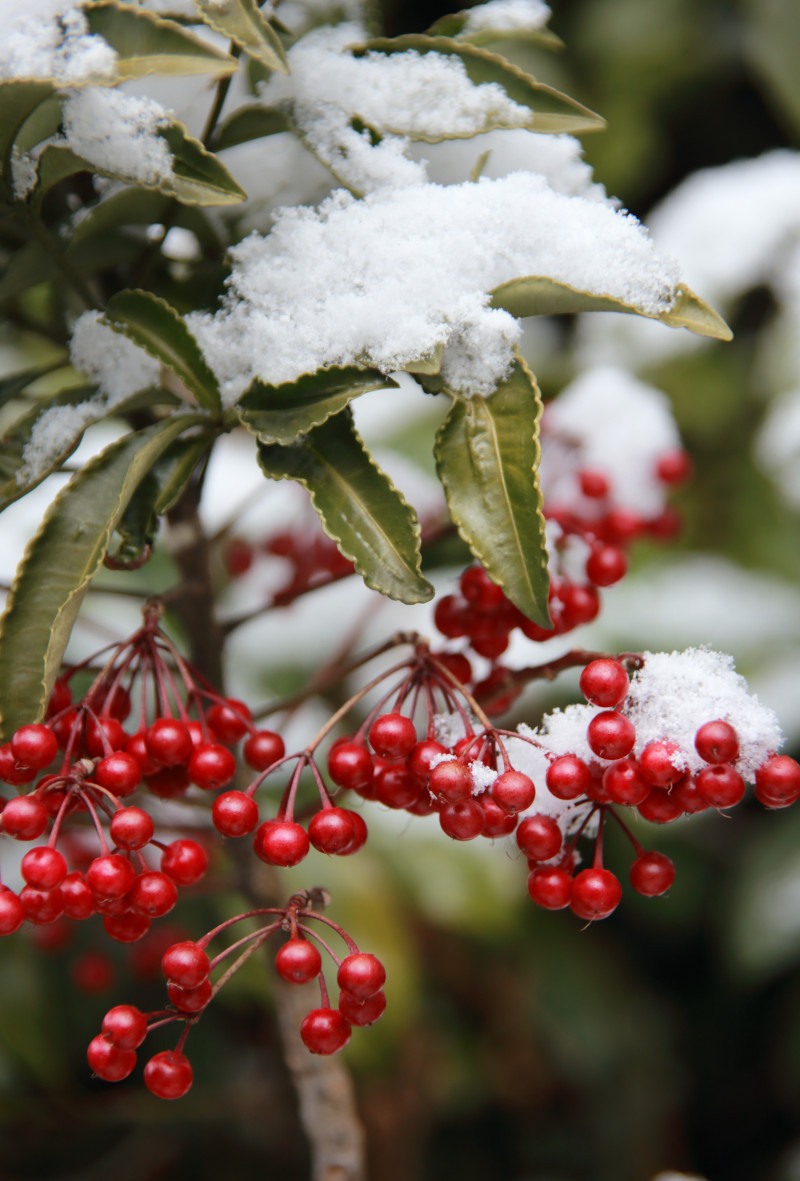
(624, 785)
(211, 766)
(393, 736)
(777, 782)
(350, 765)
(595, 894)
(720, 786)
(189, 1000)
(103, 735)
(360, 835)
(43, 868)
(109, 1062)
(110, 876)
(420, 761)
(661, 764)
(120, 772)
(550, 887)
(361, 974)
(396, 787)
(652, 874)
(262, 749)
(568, 777)
(12, 912)
(331, 830)
(606, 565)
(153, 894)
(298, 961)
(605, 683)
(539, 837)
(451, 616)
(281, 842)
(128, 927)
(185, 964)
(513, 791)
(169, 742)
(324, 1031)
(451, 780)
(660, 806)
(125, 1027)
(230, 720)
(131, 828)
(496, 821)
(185, 862)
(462, 819)
(24, 818)
(717, 742)
(79, 901)
(12, 771)
(234, 814)
(611, 735)
(168, 1075)
(42, 906)
(362, 1012)
(34, 746)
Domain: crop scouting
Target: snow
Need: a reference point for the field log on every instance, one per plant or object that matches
(385, 280)
(118, 133)
(507, 16)
(50, 39)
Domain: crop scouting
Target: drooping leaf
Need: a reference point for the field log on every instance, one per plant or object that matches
(280, 413)
(455, 25)
(155, 326)
(487, 455)
(242, 21)
(155, 495)
(18, 99)
(60, 562)
(359, 507)
(149, 44)
(538, 295)
(550, 109)
(248, 123)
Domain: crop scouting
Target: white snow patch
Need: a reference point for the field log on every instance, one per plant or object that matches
(118, 132)
(50, 39)
(507, 16)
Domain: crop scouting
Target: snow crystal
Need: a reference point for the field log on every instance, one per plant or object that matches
(118, 133)
(402, 94)
(385, 280)
(607, 421)
(507, 16)
(23, 173)
(675, 693)
(51, 39)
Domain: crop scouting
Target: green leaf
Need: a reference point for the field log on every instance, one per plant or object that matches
(61, 561)
(242, 21)
(359, 507)
(550, 109)
(454, 24)
(538, 295)
(148, 44)
(487, 455)
(137, 207)
(155, 496)
(16, 383)
(280, 413)
(248, 123)
(18, 99)
(27, 267)
(156, 327)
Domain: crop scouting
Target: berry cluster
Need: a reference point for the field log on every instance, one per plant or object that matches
(313, 559)
(187, 969)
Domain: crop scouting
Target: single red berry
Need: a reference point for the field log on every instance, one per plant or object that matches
(189, 1000)
(12, 771)
(673, 467)
(350, 765)
(777, 782)
(128, 927)
(687, 795)
(120, 772)
(611, 735)
(43, 868)
(550, 887)
(568, 777)
(496, 821)
(184, 861)
(661, 764)
(281, 842)
(42, 906)
(604, 682)
(211, 766)
(623, 783)
(595, 893)
(60, 698)
(357, 1011)
(421, 758)
(131, 828)
(153, 894)
(620, 525)
(451, 617)
(513, 791)
(25, 818)
(262, 749)
(169, 742)
(168, 1075)
(539, 837)
(12, 912)
(108, 1061)
(451, 780)
(185, 964)
(478, 589)
(125, 1026)
(462, 819)
(720, 786)
(298, 961)
(606, 565)
(396, 787)
(661, 806)
(136, 746)
(79, 901)
(324, 1031)
(331, 830)
(489, 643)
(103, 735)
(34, 746)
(230, 720)
(393, 736)
(457, 664)
(717, 742)
(234, 814)
(110, 876)
(652, 874)
(594, 483)
(360, 836)
(361, 974)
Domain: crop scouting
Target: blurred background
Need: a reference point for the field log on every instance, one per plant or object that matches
(518, 1046)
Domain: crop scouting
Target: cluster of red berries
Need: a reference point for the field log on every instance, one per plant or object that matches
(187, 969)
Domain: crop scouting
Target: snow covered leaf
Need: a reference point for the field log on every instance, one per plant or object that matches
(61, 561)
(148, 44)
(242, 21)
(156, 327)
(155, 496)
(550, 109)
(248, 123)
(18, 99)
(280, 413)
(464, 26)
(199, 177)
(487, 454)
(359, 507)
(537, 295)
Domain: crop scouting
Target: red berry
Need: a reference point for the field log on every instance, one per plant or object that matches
(230, 720)
(350, 765)
(169, 783)
(324, 1031)
(720, 786)
(652, 874)
(298, 961)
(211, 766)
(185, 964)
(496, 821)
(624, 785)
(281, 842)
(125, 1027)
(103, 735)
(421, 758)
(110, 876)
(34, 746)
(594, 484)
(128, 927)
(361, 1012)
(120, 772)
(131, 828)
(673, 467)
(657, 764)
(360, 836)
(60, 698)
(43, 868)
(169, 742)
(393, 736)
(606, 565)
(109, 1062)
(42, 906)
(12, 771)
(478, 589)
(451, 616)
(777, 782)
(451, 780)
(580, 604)
(189, 1000)
(621, 525)
(262, 749)
(136, 746)
(457, 664)
(153, 894)
(234, 814)
(12, 912)
(396, 787)
(462, 819)
(513, 791)
(25, 818)
(237, 556)
(605, 683)
(79, 901)
(539, 837)
(550, 887)
(687, 795)
(611, 735)
(661, 806)
(168, 1075)
(361, 974)
(595, 894)
(331, 830)
(717, 742)
(184, 861)
(568, 777)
